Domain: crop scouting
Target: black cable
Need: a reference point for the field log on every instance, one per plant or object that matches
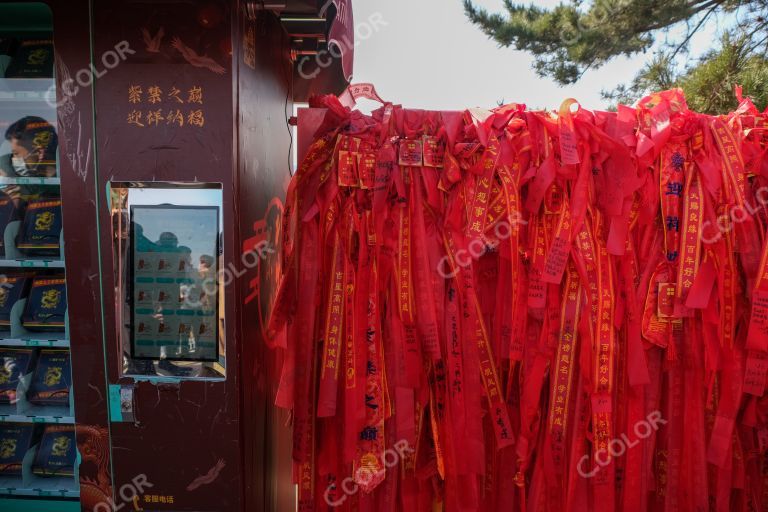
(288, 93)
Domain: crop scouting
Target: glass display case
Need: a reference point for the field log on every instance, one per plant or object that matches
(38, 452)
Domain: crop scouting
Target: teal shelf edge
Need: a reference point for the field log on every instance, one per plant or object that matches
(39, 505)
(52, 343)
(32, 263)
(30, 180)
(37, 418)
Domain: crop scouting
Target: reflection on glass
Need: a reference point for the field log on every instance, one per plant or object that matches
(28, 135)
(27, 91)
(173, 299)
(33, 143)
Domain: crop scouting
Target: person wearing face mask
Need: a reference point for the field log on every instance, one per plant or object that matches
(33, 142)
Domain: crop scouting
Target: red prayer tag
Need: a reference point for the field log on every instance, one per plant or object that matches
(569, 147)
(347, 169)
(557, 257)
(434, 151)
(366, 168)
(757, 336)
(755, 373)
(666, 300)
(410, 153)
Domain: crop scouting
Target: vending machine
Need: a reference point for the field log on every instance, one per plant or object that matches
(146, 150)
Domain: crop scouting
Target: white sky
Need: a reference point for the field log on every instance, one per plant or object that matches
(430, 56)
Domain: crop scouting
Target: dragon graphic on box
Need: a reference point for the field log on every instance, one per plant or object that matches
(93, 445)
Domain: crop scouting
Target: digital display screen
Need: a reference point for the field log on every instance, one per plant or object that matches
(174, 267)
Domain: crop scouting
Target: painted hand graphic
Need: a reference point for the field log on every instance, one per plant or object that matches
(152, 44)
(196, 60)
(207, 478)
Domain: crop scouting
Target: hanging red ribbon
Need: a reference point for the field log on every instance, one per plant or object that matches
(513, 310)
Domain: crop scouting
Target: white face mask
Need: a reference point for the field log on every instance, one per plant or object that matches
(19, 165)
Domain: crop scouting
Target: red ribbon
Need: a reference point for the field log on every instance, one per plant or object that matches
(502, 309)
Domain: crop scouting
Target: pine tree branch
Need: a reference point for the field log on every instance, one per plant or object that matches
(692, 32)
(568, 40)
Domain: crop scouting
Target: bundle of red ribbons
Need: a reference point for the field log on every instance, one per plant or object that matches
(511, 310)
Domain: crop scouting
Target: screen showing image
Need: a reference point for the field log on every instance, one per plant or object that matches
(174, 287)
